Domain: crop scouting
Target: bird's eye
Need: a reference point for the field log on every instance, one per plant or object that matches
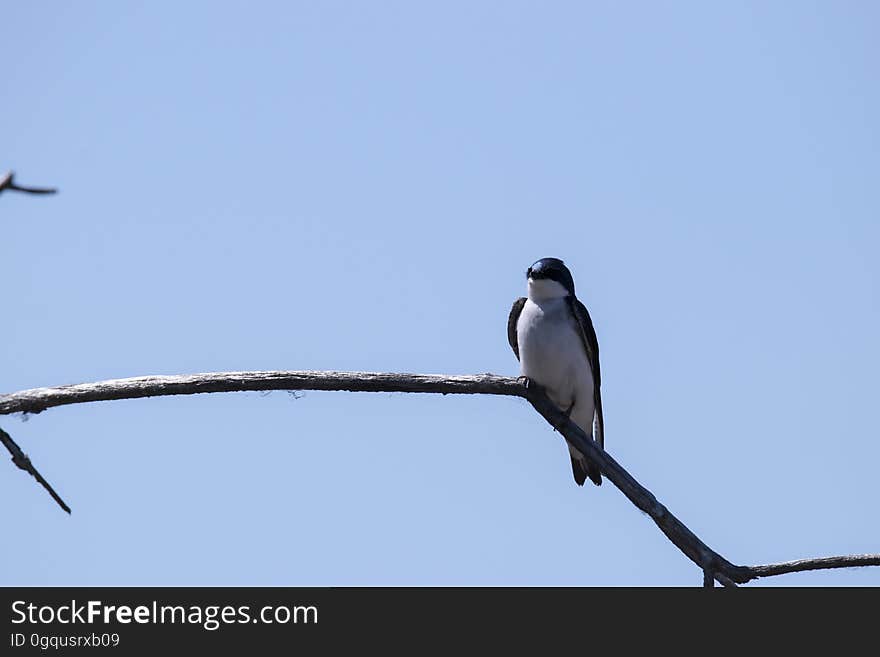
(529, 272)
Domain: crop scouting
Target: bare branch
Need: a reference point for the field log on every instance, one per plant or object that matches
(724, 581)
(22, 461)
(821, 563)
(712, 564)
(39, 399)
(7, 181)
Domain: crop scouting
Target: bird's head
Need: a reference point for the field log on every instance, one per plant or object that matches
(549, 278)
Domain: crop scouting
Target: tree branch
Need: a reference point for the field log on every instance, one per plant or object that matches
(39, 399)
(7, 181)
(23, 462)
(710, 562)
(821, 563)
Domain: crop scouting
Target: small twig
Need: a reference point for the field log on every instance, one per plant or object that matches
(23, 461)
(821, 563)
(725, 581)
(708, 579)
(7, 181)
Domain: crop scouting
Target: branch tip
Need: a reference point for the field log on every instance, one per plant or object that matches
(7, 181)
(23, 462)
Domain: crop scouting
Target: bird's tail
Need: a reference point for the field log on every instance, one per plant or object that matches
(581, 469)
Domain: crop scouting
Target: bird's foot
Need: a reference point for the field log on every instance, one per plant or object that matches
(525, 381)
(563, 418)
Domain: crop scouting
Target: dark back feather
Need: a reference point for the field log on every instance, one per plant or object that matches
(591, 344)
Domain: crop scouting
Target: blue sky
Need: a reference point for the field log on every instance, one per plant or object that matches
(361, 186)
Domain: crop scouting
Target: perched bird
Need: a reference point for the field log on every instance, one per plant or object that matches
(553, 337)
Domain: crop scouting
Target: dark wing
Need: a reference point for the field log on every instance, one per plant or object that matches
(591, 344)
(512, 319)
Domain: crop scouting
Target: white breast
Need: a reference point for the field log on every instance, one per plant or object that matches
(552, 354)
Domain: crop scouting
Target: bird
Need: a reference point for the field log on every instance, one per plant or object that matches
(552, 335)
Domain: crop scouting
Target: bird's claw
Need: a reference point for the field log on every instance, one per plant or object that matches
(566, 416)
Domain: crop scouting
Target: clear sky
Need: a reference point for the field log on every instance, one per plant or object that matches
(361, 186)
